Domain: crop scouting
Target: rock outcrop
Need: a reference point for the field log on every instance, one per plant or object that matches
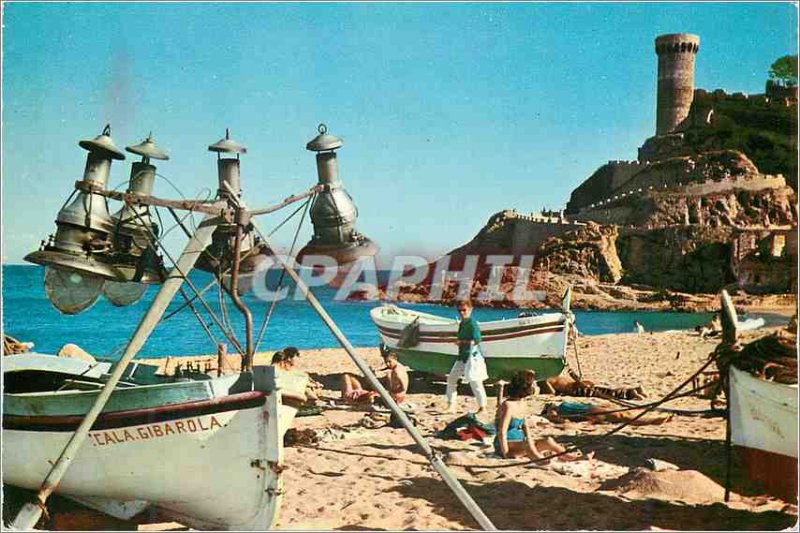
(589, 252)
(692, 259)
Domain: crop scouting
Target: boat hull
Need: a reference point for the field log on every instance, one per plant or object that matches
(764, 425)
(201, 453)
(536, 343)
(496, 367)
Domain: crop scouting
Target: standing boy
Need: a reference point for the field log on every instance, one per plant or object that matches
(469, 364)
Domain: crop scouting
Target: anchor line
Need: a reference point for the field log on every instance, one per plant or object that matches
(209, 194)
(199, 294)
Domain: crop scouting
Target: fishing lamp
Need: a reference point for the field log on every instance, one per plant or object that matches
(218, 256)
(333, 213)
(74, 258)
(134, 252)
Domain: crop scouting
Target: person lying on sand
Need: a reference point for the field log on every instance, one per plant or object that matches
(395, 381)
(573, 385)
(562, 412)
(514, 438)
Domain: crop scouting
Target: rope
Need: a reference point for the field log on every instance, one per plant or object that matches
(208, 192)
(186, 304)
(685, 412)
(221, 301)
(200, 319)
(274, 302)
(284, 221)
(573, 337)
(189, 215)
(228, 334)
(630, 406)
(670, 396)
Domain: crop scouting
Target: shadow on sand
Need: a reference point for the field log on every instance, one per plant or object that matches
(515, 505)
(706, 456)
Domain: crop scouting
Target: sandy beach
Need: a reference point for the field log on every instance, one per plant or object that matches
(359, 477)
(355, 477)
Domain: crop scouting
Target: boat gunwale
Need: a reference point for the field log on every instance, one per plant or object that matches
(380, 319)
(135, 417)
(510, 326)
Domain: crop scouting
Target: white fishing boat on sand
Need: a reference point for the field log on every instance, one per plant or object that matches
(427, 342)
(764, 431)
(762, 400)
(117, 436)
(207, 453)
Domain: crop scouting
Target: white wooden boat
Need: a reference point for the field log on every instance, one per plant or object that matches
(535, 342)
(207, 453)
(762, 414)
(751, 324)
(763, 418)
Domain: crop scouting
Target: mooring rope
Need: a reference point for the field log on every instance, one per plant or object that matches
(668, 397)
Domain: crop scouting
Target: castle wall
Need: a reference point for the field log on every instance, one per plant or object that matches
(762, 126)
(746, 183)
(622, 208)
(603, 182)
(528, 235)
(605, 215)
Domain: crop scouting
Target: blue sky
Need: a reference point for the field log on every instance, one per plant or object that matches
(448, 112)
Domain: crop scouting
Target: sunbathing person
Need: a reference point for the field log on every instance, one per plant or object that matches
(285, 359)
(573, 385)
(514, 438)
(395, 381)
(562, 412)
(712, 329)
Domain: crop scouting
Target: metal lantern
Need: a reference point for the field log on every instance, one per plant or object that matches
(333, 213)
(134, 251)
(82, 238)
(218, 256)
(83, 226)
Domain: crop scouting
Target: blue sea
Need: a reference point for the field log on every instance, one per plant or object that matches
(103, 330)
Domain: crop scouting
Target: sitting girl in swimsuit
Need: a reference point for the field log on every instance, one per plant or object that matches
(354, 393)
(514, 438)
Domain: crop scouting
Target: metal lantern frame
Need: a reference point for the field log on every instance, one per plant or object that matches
(227, 210)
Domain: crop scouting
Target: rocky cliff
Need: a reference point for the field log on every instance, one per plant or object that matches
(589, 252)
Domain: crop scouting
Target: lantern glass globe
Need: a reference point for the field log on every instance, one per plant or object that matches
(69, 291)
(121, 293)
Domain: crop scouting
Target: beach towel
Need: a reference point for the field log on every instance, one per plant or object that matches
(471, 432)
(464, 422)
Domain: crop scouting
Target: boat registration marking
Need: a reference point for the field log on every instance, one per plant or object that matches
(154, 431)
(757, 414)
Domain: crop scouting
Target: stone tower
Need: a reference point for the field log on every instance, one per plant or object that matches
(676, 53)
